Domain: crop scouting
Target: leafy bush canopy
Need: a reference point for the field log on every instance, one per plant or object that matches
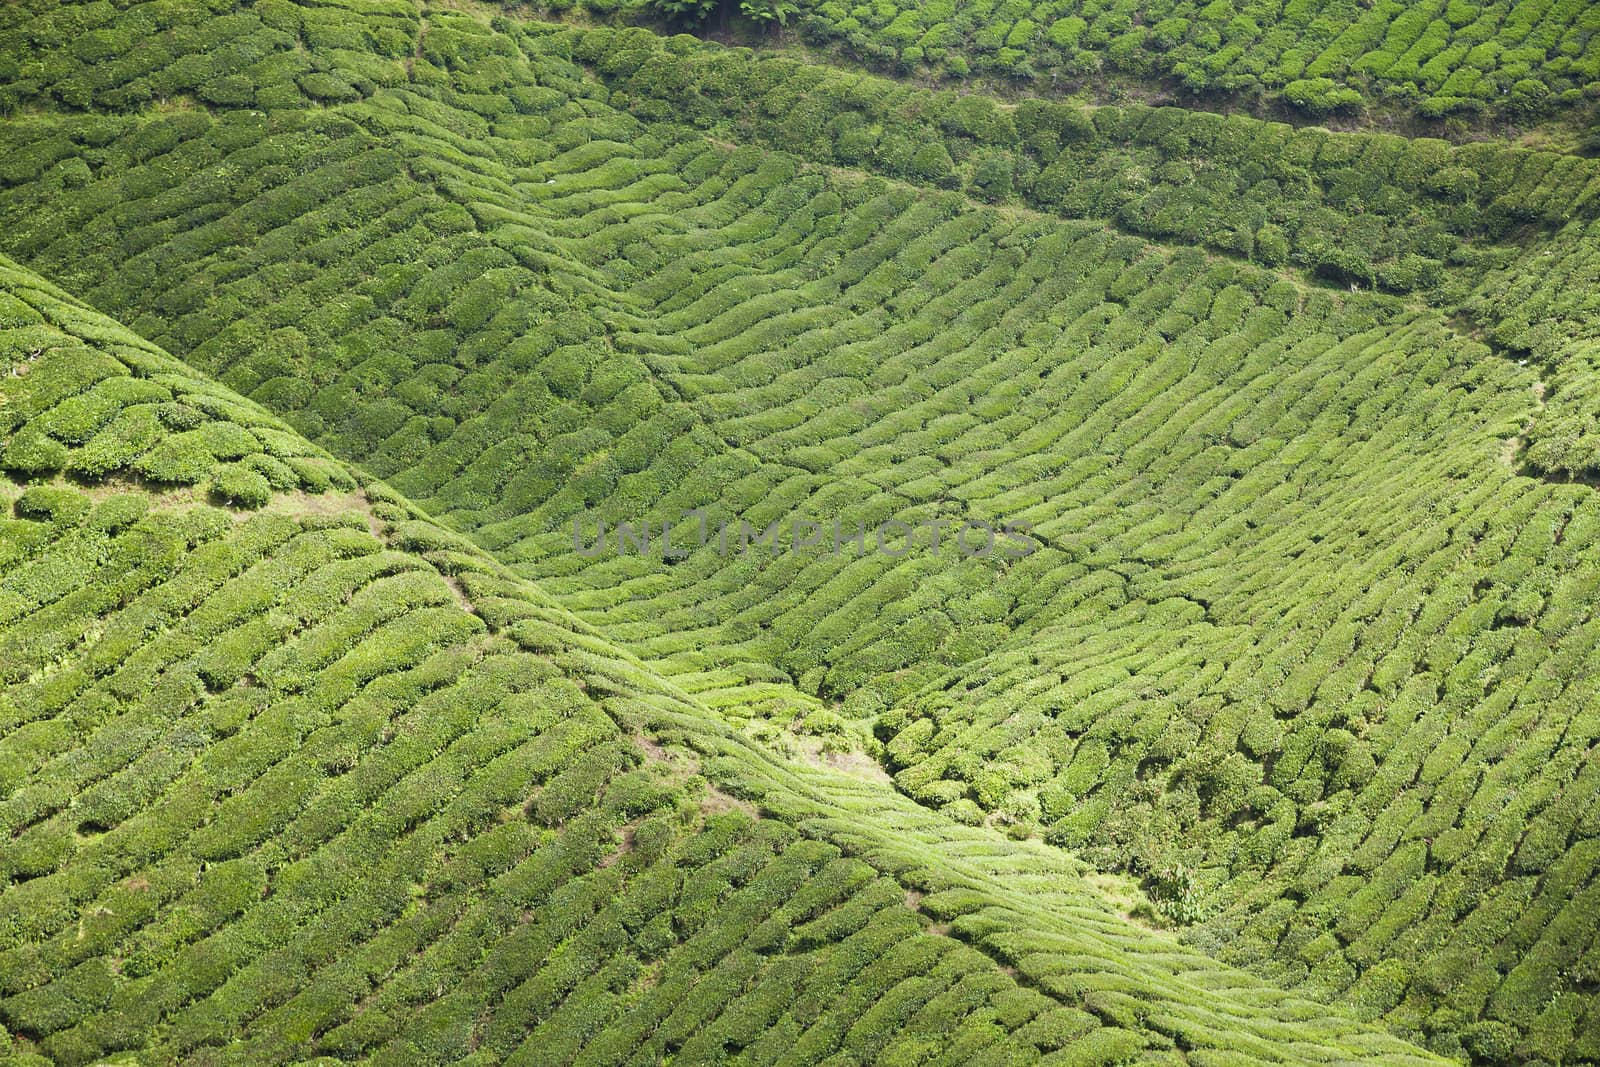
(1462, 59)
(320, 762)
(301, 764)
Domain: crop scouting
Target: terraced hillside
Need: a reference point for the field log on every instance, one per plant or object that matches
(322, 779)
(1293, 675)
(1441, 57)
(1519, 61)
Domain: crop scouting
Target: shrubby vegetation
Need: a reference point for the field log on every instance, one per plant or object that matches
(1511, 61)
(149, 53)
(1303, 655)
(1540, 310)
(1368, 209)
(327, 782)
(100, 403)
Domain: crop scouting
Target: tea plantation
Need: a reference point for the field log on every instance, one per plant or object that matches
(356, 703)
(322, 777)
(1522, 58)
(1441, 61)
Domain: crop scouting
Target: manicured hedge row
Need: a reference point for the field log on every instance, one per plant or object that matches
(555, 308)
(1539, 309)
(268, 943)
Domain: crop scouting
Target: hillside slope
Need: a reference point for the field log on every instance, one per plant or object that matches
(1437, 58)
(321, 779)
(1500, 62)
(1306, 645)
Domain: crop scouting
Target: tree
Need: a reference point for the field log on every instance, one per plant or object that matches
(768, 12)
(691, 11)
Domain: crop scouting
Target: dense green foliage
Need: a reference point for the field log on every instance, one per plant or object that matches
(1369, 208)
(1519, 57)
(275, 53)
(1301, 419)
(1543, 308)
(325, 781)
(1511, 60)
(103, 402)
